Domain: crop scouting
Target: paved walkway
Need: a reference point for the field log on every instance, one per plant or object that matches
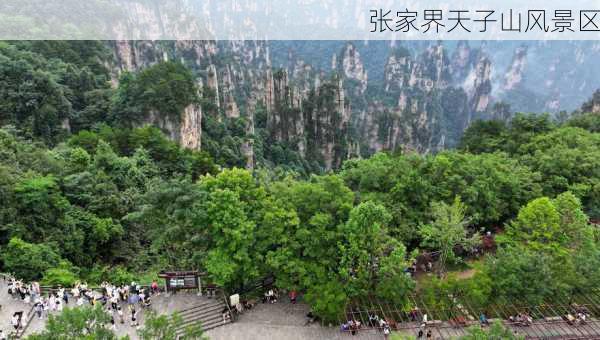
(282, 320)
(286, 321)
(163, 304)
(9, 307)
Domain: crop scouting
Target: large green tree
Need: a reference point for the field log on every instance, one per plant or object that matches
(41, 207)
(448, 230)
(28, 261)
(549, 251)
(371, 260)
(521, 274)
(569, 160)
(308, 251)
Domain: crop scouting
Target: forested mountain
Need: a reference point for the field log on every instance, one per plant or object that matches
(302, 105)
(341, 170)
(119, 159)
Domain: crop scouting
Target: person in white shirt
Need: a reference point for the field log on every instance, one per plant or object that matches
(52, 303)
(16, 320)
(75, 292)
(114, 301)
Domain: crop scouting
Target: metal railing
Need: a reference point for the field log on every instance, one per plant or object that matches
(28, 319)
(226, 301)
(546, 318)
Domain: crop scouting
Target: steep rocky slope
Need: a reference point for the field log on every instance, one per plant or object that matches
(419, 98)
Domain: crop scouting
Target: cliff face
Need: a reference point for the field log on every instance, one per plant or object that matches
(328, 101)
(352, 68)
(243, 77)
(190, 132)
(482, 86)
(422, 98)
(130, 56)
(514, 75)
(325, 118)
(327, 122)
(422, 104)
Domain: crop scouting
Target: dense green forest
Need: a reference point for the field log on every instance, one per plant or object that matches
(113, 201)
(132, 200)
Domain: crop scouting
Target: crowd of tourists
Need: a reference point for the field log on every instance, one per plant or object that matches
(115, 299)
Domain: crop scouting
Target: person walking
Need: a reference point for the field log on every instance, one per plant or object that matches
(113, 325)
(386, 332)
(39, 309)
(15, 321)
(114, 301)
(52, 303)
(155, 289)
(65, 297)
(46, 306)
(134, 322)
(120, 314)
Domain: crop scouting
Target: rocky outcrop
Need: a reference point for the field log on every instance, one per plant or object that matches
(135, 55)
(185, 129)
(166, 123)
(285, 120)
(304, 108)
(593, 105)
(212, 83)
(398, 70)
(514, 75)
(230, 105)
(480, 92)
(433, 69)
(191, 127)
(333, 127)
(247, 147)
(314, 120)
(416, 87)
(353, 68)
(462, 61)
(421, 100)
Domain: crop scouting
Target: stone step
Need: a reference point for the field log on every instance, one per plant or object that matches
(217, 309)
(206, 318)
(199, 308)
(209, 314)
(205, 327)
